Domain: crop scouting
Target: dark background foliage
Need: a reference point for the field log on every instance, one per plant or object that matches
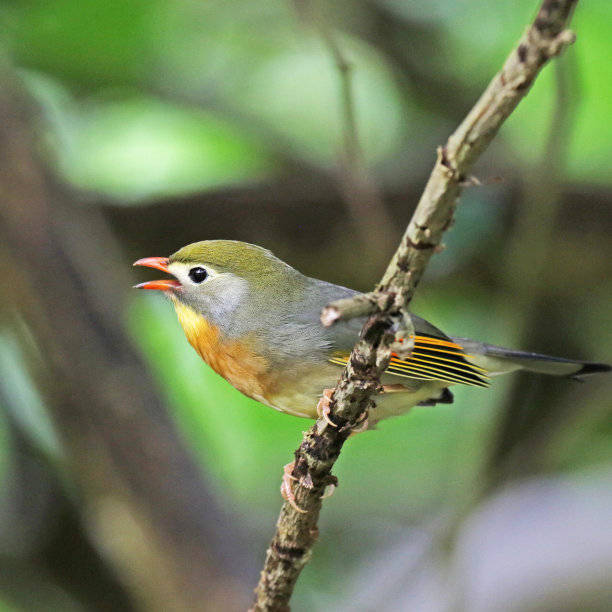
(155, 124)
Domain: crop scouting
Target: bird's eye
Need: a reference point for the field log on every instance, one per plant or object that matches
(197, 275)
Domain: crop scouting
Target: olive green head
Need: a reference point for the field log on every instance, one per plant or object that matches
(248, 261)
(229, 281)
(249, 294)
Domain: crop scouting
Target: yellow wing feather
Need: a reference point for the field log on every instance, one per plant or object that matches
(433, 359)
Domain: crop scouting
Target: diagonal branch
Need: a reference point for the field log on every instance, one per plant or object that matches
(296, 532)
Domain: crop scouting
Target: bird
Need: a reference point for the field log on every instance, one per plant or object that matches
(255, 320)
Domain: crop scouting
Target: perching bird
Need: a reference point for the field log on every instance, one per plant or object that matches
(255, 320)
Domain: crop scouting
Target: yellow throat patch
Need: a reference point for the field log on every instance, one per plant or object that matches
(234, 360)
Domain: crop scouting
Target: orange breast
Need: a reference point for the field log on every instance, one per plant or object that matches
(232, 359)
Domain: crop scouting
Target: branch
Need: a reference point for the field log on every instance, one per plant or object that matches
(542, 41)
(349, 308)
(296, 532)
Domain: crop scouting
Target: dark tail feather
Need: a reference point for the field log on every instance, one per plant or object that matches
(589, 367)
(498, 359)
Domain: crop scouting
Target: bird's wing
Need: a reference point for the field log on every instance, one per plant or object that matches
(432, 358)
(435, 356)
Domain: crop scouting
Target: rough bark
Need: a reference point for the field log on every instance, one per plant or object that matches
(296, 531)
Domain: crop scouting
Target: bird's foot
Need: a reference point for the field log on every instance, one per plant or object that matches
(287, 487)
(323, 409)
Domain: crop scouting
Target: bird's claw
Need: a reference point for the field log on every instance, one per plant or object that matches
(323, 409)
(287, 488)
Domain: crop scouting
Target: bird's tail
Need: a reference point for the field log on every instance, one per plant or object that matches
(499, 360)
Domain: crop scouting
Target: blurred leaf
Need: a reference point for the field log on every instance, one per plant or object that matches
(283, 78)
(589, 153)
(589, 149)
(142, 148)
(87, 42)
(479, 35)
(279, 78)
(5, 607)
(298, 92)
(210, 49)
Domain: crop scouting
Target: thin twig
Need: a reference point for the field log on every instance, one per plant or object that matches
(361, 195)
(347, 308)
(296, 532)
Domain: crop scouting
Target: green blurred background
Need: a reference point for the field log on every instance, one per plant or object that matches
(149, 125)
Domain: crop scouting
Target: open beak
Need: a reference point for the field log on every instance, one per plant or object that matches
(160, 263)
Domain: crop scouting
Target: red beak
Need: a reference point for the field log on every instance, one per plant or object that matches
(160, 263)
